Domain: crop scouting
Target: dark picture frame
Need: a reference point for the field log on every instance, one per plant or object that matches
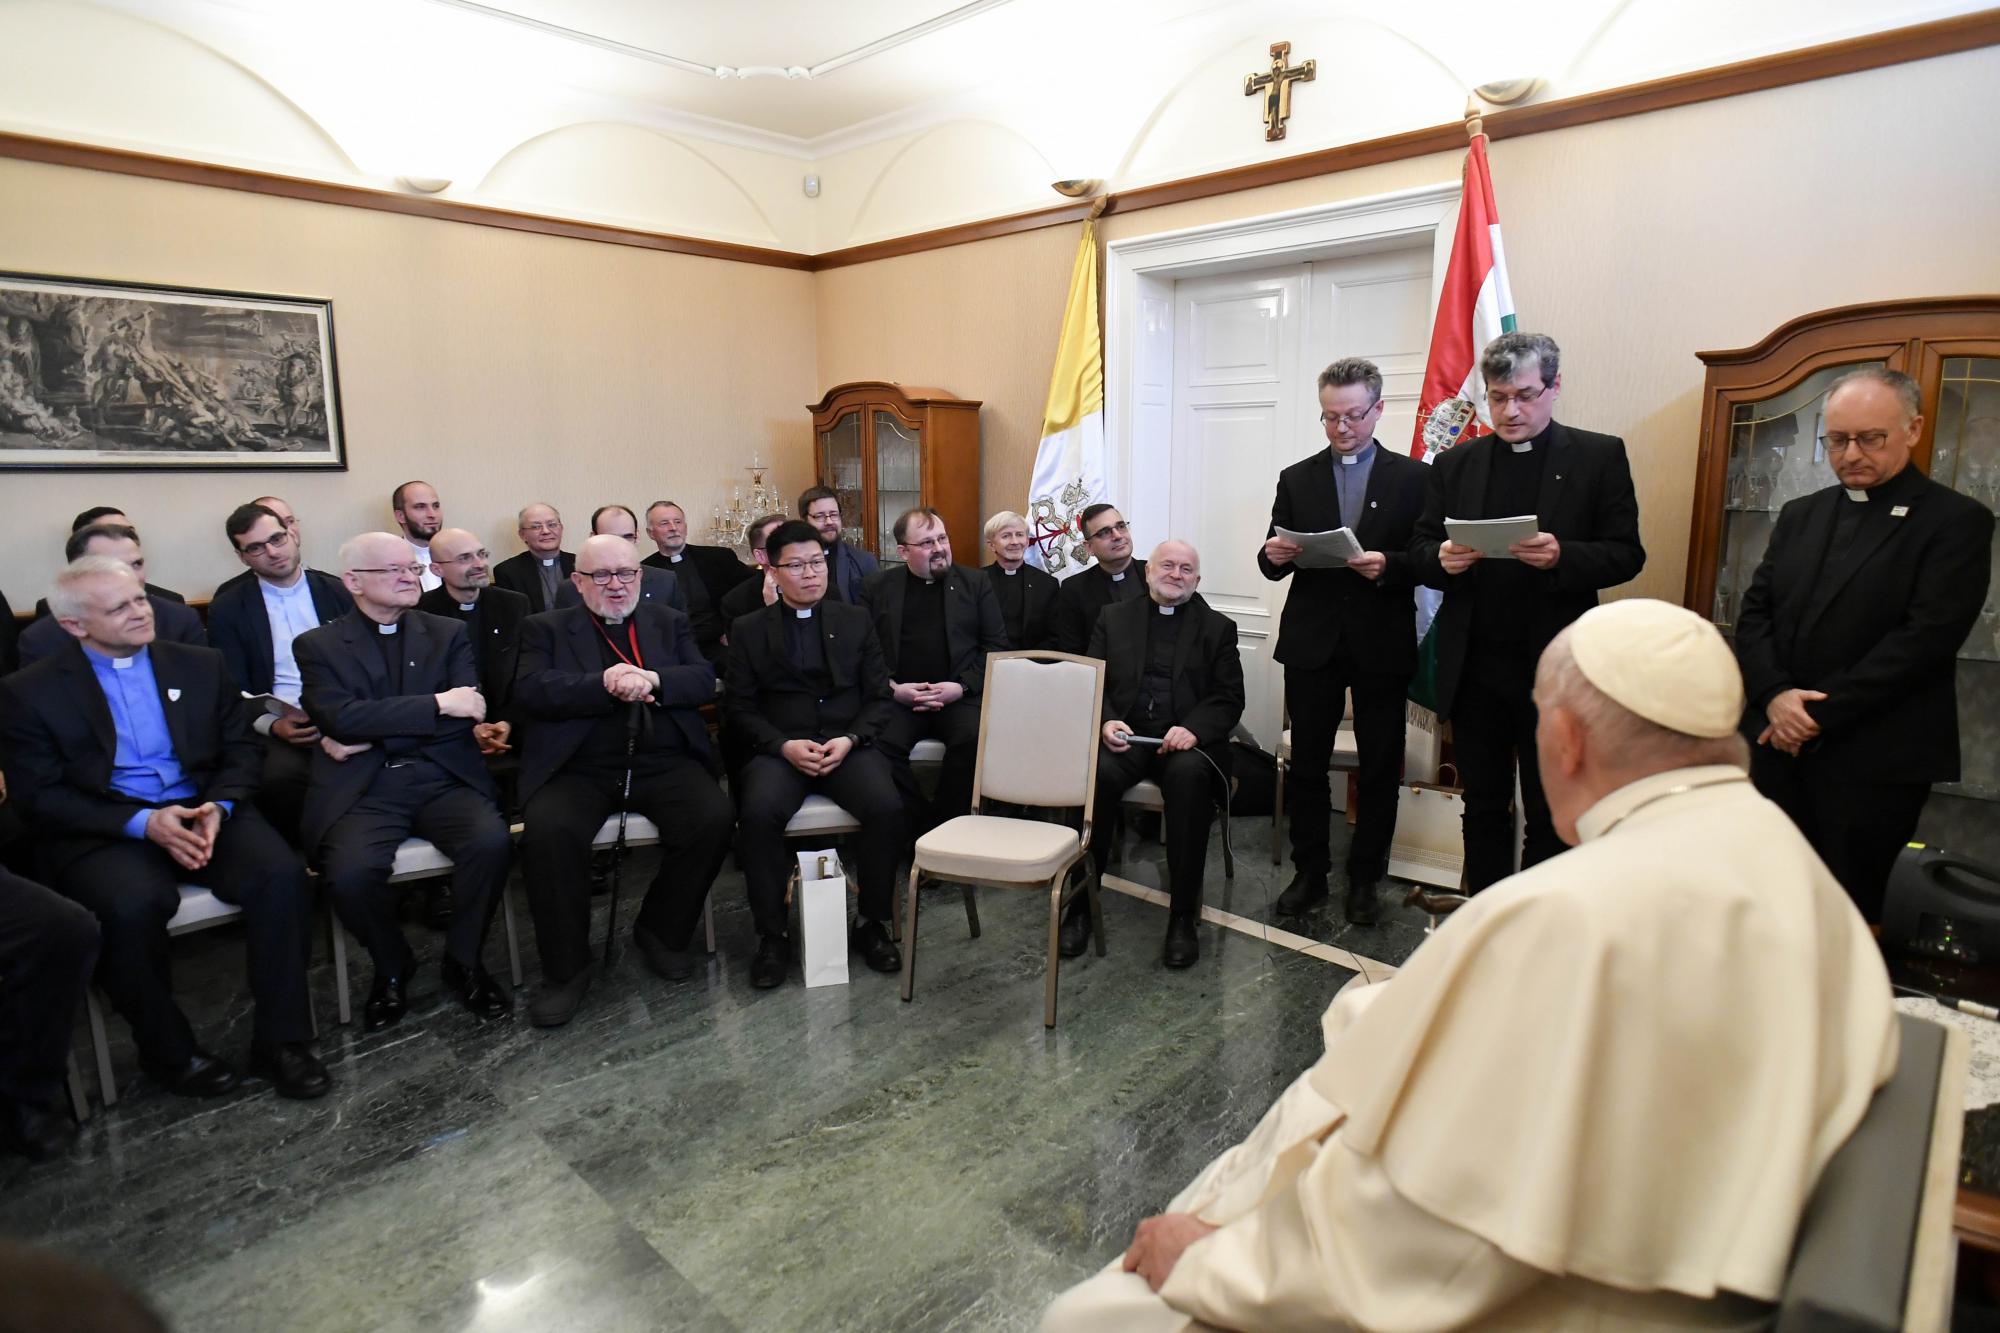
(100, 375)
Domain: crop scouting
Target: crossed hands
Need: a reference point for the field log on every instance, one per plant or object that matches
(1790, 725)
(629, 684)
(492, 737)
(927, 696)
(1159, 1243)
(816, 759)
(187, 833)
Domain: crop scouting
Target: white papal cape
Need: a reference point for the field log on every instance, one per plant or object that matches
(1597, 1099)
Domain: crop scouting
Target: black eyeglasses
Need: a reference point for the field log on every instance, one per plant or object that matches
(1121, 527)
(277, 541)
(601, 577)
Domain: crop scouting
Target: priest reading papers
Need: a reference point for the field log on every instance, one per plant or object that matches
(1599, 1096)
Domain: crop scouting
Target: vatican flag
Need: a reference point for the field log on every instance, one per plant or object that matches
(1069, 466)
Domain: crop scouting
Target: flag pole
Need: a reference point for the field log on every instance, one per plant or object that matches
(1475, 118)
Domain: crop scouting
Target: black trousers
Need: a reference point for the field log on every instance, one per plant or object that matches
(772, 792)
(48, 945)
(132, 887)
(695, 820)
(957, 725)
(1856, 827)
(282, 794)
(1493, 733)
(420, 800)
(1192, 792)
(1315, 697)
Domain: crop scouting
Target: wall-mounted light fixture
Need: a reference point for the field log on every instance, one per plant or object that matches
(424, 184)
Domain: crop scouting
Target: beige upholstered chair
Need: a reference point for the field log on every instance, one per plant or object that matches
(1038, 729)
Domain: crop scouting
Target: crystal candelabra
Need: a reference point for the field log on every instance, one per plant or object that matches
(731, 524)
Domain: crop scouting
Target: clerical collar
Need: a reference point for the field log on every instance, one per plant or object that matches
(1852, 494)
(389, 628)
(1119, 577)
(1614, 808)
(612, 620)
(124, 663)
(550, 559)
(1528, 445)
(1899, 487)
(1359, 456)
(1010, 573)
(1164, 609)
(676, 556)
(803, 612)
(472, 605)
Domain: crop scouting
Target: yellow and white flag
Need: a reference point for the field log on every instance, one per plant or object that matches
(1069, 466)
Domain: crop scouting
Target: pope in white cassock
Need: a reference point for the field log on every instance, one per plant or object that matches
(1599, 1096)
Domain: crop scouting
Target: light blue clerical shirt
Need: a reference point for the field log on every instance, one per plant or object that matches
(145, 766)
(1350, 481)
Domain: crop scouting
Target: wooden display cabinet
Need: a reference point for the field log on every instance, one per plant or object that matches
(888, 447)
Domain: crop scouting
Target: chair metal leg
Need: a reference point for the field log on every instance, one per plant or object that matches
(107, 1086)
(513, 938)
(971, 910)
(1228, 852)
(1278, 819)
(339, 950)
(79, 1100)
(910, 939)
(1090, 889)
(1055, 953)
(708, 920)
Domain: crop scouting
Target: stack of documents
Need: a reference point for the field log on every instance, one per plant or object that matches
(1492, 536)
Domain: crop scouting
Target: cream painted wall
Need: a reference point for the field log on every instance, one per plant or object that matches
(502, 367)
(1634, 242)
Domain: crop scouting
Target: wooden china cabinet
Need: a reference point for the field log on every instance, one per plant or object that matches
(889, 447)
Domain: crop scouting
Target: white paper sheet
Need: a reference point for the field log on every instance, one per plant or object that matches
(1492, 536)
(1323, 550)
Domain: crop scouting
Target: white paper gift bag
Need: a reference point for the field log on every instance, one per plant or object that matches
(823, 918)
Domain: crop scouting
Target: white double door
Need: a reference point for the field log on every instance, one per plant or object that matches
(1248, 349)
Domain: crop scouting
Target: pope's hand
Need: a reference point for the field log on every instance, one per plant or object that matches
(1159, 1243)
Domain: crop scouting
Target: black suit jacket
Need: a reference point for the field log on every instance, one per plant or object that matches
(1881, 640)
(847, 568)
(1208, 674)
(767, 701)
(1327, 607)
(744, 598)
(1039, 591)
(717, 567)
(59, 744)
(9, 632)
(346, 693)
(560, 689)
(972, 624)
(1082, 597)
(522, 574)
(1586, 500)
(240, 628)
(173, 622)
(502, 612)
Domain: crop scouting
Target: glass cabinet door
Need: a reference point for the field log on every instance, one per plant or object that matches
(1965, 455)
(898, 480)
(841, 445)
(1774, 456)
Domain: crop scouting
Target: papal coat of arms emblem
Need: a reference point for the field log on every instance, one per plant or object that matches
(1448, 424)
(1052, 526)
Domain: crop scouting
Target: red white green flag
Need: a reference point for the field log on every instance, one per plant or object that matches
(1476, 307)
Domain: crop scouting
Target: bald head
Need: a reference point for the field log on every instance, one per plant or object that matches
(616, 561)
(378, 569)
(462, 561)
(1173, 572)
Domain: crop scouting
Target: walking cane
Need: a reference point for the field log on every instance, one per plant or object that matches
(618, 847)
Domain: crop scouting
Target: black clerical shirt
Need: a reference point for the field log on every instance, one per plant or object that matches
(1011, 588)
(921, 654)
(1156, 681)
(803, 646)
(389, 638)
(1503, 611)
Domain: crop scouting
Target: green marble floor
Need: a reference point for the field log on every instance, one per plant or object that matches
(704, 1155)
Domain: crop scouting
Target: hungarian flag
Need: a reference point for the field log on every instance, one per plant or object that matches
(1069, 466)
(1476, 307)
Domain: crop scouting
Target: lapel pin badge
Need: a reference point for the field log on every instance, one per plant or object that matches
(1900, 511)
(173, 695)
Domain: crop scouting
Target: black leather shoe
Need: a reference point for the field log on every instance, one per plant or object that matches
(292, 1070)
(1183, 946)
(871, 940)
(773, 961)
(388, 1000)
(1364, 902)
(437, 904)
(474, 988)
(202, 1076)
(35, 1132)
(1074, 935)
(667, 964)
(556, 1002)
(1306, 891)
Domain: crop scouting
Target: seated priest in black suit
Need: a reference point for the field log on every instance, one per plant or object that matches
(396, 693)
(492, 617)
(134, 760)
(1027, 595)
(541, 572)
(847, 564)
(807, 694)
(760, 590)
(612, 688)
(101, 516)
(1170, 672)
(706, 573)
(936, 621)
(48, 946)
(662, 587)
(1115, 577)
(173, 620)
(252, 622)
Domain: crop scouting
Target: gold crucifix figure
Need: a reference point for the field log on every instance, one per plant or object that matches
(1276, 85)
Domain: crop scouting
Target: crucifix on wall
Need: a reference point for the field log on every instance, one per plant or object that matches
(1276, 85)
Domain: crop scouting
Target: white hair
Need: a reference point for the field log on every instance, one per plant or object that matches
(353, 551)
(521, 516)
(1627, 741)
(1003, 519)
(66, 597)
